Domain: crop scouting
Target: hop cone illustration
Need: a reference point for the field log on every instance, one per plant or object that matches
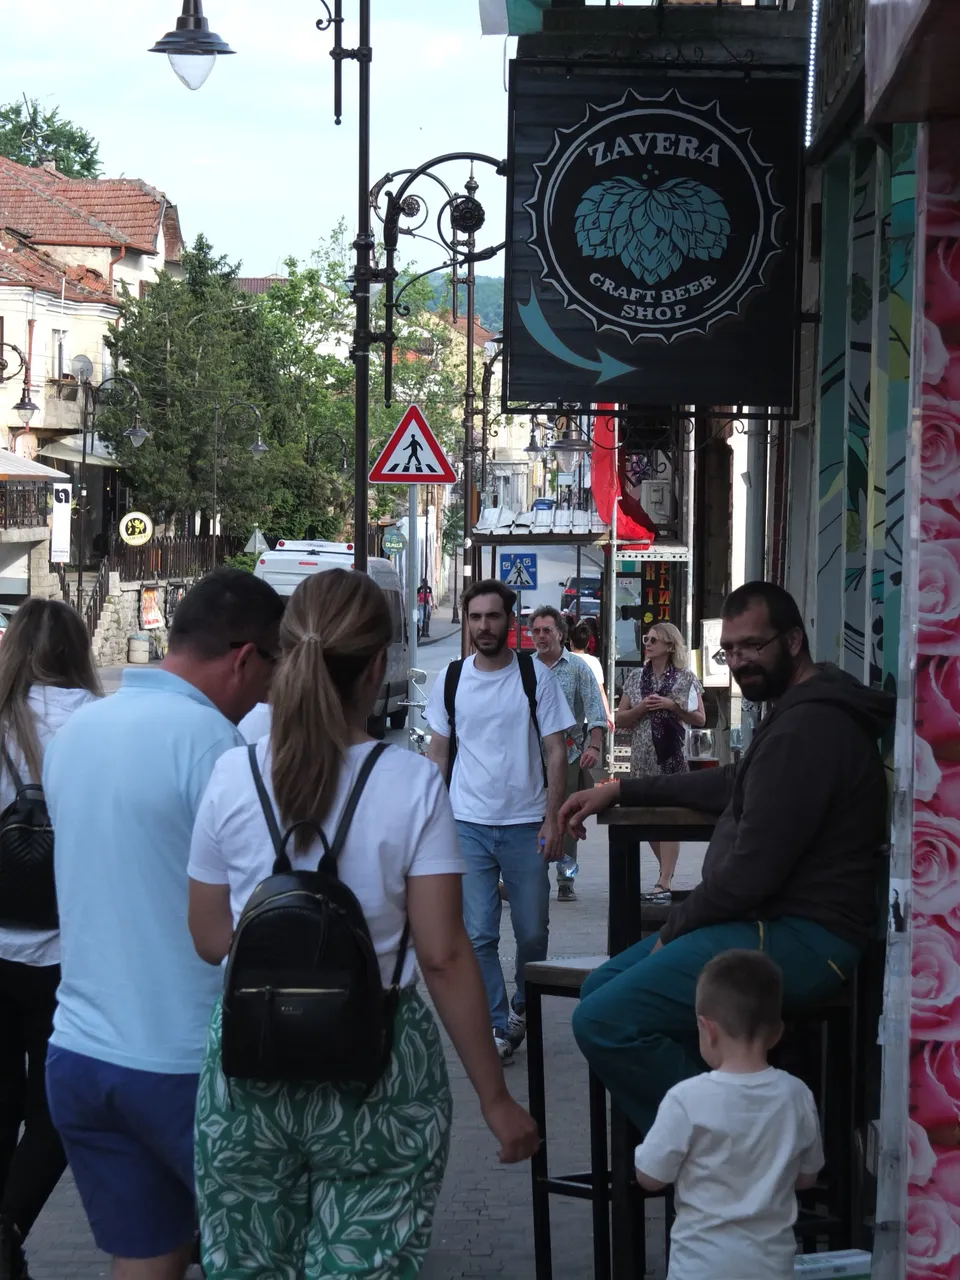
(652, 229)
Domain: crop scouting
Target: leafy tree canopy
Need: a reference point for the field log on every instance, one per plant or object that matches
(30, 135)
(193, 343)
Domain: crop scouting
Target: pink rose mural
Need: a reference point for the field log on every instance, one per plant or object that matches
(934, 1154)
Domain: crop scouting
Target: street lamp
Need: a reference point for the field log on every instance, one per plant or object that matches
(136, 434)
(492, 350)
(192, 47)
(93, 396)
(258, 449)
(24, 408)
(570, 446)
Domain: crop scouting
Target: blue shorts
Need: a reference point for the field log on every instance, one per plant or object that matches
(129, 1140)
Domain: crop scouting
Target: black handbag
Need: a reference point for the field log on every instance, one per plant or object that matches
(28, 894)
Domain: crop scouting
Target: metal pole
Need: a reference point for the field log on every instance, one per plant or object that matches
(216, 467)
(361, 337)
(756, 517)
(611, 637)
(485, 387)
(469, 413)
(413, 560)
(578, 581)
(87, 413)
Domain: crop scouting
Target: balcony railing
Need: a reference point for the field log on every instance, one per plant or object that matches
(24, 504)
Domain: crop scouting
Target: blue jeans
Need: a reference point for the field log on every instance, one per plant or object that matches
(514, 853)
(636, 1023)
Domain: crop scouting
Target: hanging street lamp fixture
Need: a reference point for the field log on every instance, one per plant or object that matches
(25, 407)
(569, 446)
(137, 433)
(192, 47)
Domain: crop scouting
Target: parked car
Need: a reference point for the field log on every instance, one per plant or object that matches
(590, 607)
(526, 639)
(586, 588)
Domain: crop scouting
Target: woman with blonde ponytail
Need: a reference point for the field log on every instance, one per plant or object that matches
(314, 1180)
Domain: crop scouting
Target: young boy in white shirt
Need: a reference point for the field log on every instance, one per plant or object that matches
(738, 1141)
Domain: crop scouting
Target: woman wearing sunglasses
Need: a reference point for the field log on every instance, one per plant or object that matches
(659, 700)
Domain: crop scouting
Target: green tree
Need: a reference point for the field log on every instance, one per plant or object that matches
(31, 135)
(191, 344)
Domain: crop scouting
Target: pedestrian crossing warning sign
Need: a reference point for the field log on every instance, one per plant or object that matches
(519, 570)
(413, 455)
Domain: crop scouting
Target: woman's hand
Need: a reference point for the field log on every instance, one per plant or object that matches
(514, 1128)
(654, 702)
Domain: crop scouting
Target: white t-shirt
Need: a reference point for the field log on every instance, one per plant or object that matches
(594, 665)
(498, 772)
(51, 709)
(403, 827)
(734, 1146)
(256, 723)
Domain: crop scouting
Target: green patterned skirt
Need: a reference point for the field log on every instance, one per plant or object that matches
(299, 1182)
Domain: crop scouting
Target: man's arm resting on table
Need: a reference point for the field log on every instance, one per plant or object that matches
(709, 790)
(787, 790)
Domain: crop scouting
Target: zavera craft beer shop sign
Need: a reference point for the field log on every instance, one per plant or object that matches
(652, 247)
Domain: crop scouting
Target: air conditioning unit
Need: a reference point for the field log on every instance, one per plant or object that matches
(658, 500)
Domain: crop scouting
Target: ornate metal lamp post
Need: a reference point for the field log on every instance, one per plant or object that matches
(24, 408)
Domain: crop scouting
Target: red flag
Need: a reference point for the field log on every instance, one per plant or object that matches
(633, 523)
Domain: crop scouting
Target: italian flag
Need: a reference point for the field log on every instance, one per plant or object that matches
(512, 17)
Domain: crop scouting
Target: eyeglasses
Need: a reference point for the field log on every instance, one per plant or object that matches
(648, 639)
(746, 652)
(265, 654)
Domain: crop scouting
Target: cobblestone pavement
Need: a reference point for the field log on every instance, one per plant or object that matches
(483, 1224)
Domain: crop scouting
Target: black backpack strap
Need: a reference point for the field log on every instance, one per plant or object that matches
(450, 685)
(528, 677)
(343, 828)
(281, 862)
(8, 760)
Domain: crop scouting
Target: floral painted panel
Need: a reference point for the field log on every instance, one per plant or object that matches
(934, 1175)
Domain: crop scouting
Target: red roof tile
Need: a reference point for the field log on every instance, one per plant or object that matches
(111, 212)
(258, 284)
(480, 334)
(23, 266)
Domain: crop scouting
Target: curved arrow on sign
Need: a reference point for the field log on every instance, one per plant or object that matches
(535, 323)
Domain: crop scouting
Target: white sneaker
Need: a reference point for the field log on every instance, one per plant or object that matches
(504, 1048)
(517, 1028)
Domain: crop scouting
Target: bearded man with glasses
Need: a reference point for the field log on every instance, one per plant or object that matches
(791, 869)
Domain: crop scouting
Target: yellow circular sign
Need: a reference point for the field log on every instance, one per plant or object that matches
(136, 529)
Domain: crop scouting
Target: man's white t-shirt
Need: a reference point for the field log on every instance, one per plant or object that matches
(733, 1145)
(403, 827)
(498, 772)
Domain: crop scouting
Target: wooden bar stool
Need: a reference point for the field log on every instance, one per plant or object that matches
(565, 978)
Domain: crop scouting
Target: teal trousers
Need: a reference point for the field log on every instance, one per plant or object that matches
(636, 1022)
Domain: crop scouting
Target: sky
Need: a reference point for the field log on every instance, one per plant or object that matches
(253, 158)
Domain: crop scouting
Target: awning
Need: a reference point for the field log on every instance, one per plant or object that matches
(13, 467)
(70, 449)
(559, 524)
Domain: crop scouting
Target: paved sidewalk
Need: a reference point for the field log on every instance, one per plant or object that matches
(483, 1224)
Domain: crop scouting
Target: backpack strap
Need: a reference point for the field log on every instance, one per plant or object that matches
(450, 684)
(528, 677)
(8, 760)
(281, 862)
(343, 828)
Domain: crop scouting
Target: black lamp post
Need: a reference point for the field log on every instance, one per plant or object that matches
(258, 448)
(192, 47)
(465, 215)
(493, 350)
(93, 397)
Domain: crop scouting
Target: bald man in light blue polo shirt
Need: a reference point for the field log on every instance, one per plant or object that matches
(123, 787)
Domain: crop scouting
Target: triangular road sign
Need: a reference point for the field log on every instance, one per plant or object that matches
(413, 455)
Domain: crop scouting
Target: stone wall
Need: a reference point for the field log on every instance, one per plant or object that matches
(120, 620)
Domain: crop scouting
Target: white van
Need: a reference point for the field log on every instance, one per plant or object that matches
(287, 566)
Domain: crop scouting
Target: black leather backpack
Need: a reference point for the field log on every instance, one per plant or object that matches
(28, 895)
(303, 998)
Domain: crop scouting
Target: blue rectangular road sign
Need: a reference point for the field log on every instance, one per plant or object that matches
(518, 569)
